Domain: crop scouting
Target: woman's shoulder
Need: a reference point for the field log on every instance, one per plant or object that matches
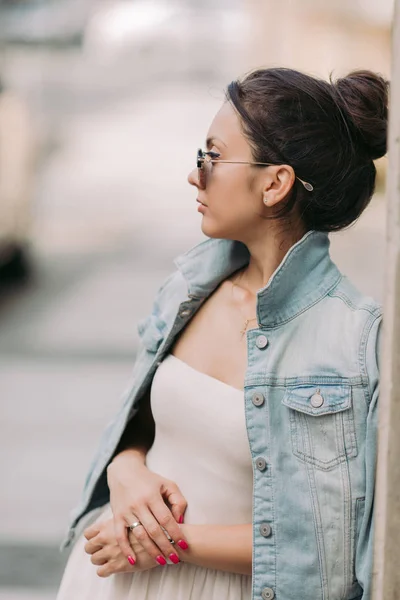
(360, 324)
(356, 300)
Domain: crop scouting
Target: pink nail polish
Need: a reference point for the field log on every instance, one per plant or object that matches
(161, 560)
(174, 558)
(183, 544)
(181, 519)
(131, 560)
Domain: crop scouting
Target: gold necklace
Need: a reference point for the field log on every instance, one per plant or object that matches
(246, 319)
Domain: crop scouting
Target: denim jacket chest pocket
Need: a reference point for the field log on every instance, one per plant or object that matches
(321, 424)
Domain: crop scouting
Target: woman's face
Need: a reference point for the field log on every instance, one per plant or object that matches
(233, 200)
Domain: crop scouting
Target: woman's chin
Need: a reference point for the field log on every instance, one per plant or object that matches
(208, 228)
(212, 230)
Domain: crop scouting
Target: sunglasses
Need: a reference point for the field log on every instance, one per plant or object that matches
(206, 159)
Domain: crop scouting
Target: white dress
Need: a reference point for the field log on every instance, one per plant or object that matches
(201, 444)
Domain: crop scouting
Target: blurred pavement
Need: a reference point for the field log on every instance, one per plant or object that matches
(12, 594)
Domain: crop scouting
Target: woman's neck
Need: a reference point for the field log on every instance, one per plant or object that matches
(266, 255)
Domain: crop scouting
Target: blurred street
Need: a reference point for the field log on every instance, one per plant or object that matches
(112, 208)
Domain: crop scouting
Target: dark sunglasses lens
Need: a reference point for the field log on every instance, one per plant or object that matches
(201, 168)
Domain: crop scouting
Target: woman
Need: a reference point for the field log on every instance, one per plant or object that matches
(252, 413)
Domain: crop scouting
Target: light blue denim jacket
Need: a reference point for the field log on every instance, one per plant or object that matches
(310, 400)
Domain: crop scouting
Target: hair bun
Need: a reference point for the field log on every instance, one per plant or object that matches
(363, 97)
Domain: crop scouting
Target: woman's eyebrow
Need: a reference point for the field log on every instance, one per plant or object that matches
(209, 141)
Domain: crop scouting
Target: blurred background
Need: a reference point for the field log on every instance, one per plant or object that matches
(102, 108)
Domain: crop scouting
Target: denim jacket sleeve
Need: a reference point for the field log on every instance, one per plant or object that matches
(365, 544)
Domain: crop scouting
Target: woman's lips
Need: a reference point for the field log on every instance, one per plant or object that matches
(201, 207)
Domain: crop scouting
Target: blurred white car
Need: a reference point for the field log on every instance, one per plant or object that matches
(17, 167)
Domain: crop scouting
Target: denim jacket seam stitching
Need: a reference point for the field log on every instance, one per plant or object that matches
(274, 542)
(299, 422)
(347, 504)
(249, 427)
(347, 300)
(337, 406)
(317, 525)
(283, 382)
(317, 413)
(363, 355)
(321, 297)
(328, 466)
(353, 449)
(353, 543)
(357, 503)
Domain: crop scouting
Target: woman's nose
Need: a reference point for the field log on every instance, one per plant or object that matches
(193, 178)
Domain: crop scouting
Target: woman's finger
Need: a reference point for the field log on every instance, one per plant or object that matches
(166, 519)
(175, 499)
(121, 534)
(107, 569)
(91, 531)
(93, 546)
(153, 539)
(100, 558)
(104, 571)
(113, 566)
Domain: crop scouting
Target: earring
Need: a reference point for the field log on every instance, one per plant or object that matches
(266, 200)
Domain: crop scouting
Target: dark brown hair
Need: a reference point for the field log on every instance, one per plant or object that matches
(329, 132)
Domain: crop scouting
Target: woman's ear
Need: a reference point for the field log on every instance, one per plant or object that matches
(278, 184)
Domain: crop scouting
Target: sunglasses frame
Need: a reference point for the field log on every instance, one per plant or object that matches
(202, 174)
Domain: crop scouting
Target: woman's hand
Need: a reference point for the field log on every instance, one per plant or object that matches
(105, 552)
(138, 494)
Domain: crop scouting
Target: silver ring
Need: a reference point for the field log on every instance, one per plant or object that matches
(135, 524)
(169, 538)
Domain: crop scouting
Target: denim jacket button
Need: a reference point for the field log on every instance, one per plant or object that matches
(261, 341)
(257, 399)
(185, 313)
(267, 593)
(261, 463)
(317, 400)
(265, 529)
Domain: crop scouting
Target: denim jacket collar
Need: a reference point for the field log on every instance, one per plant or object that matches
(305, 275)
